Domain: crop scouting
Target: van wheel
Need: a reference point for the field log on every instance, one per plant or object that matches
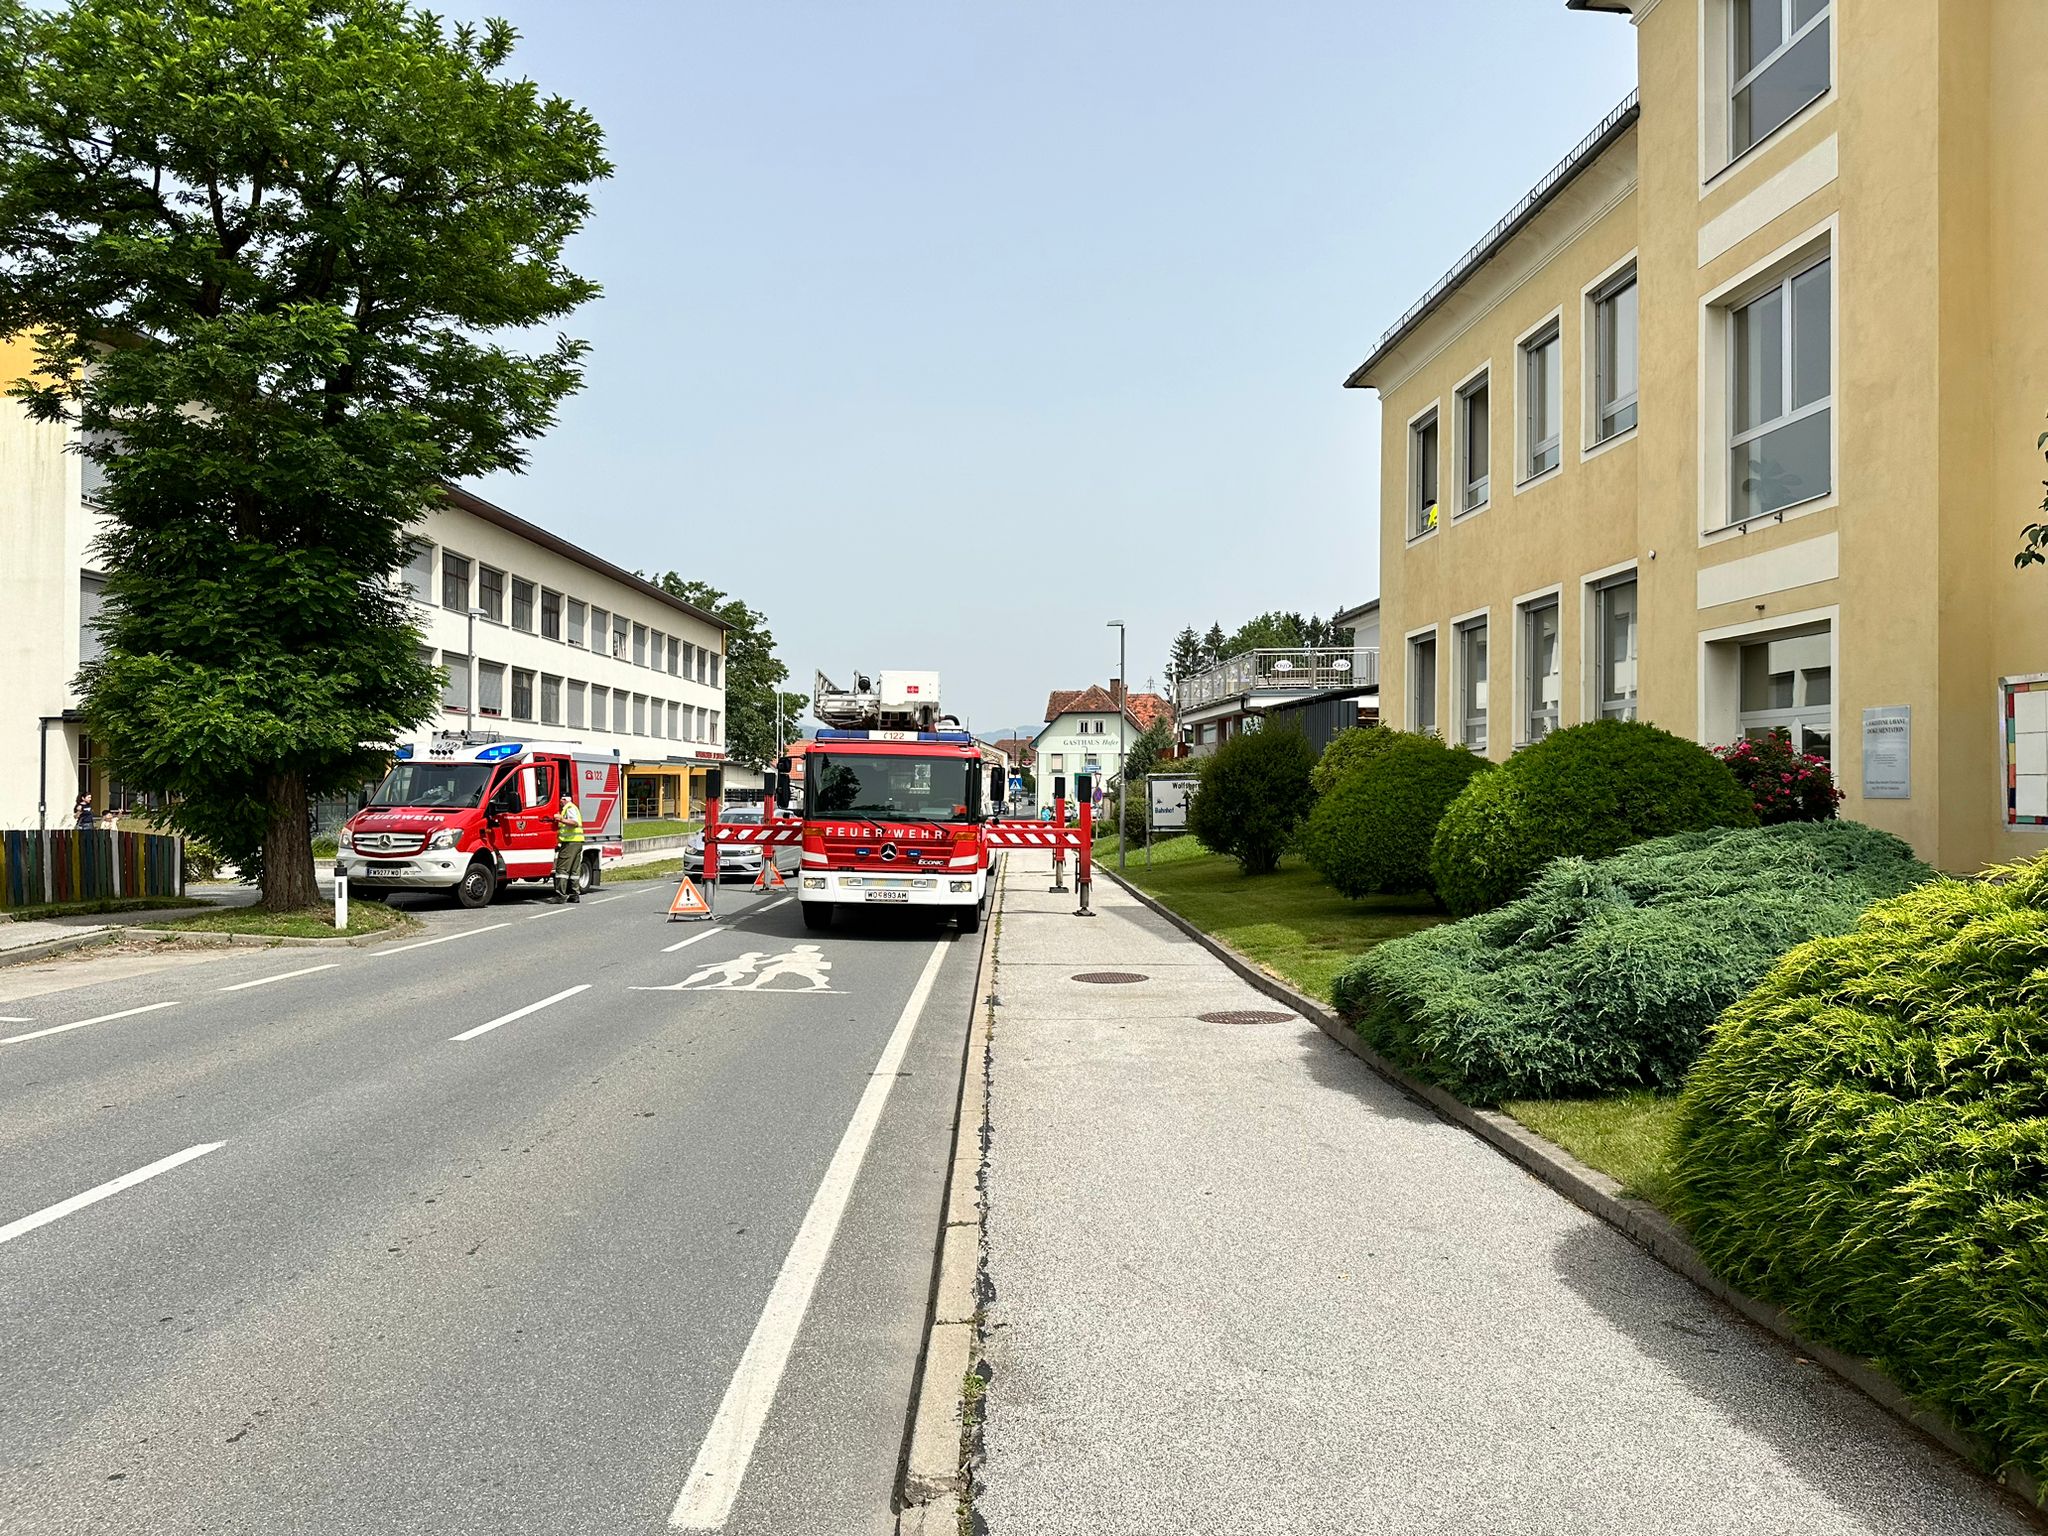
(970, 919)
(479, 885)
(593, 873)
(817, 915)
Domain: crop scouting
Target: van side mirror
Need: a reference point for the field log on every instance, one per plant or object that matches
(997, 783)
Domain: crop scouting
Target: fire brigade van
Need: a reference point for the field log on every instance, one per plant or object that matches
(470, 819)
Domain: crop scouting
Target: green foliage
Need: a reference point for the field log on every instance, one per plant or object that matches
(1349, 750)
(753, 673)
(1590, 790)
(262, 246)
(1783, 783)
(1865, 1142)
(2034, 537)
(1144, 755)
(1608, 974)
(1253, 795)
(1371, 834)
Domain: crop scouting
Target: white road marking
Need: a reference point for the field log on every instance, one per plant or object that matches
(778, 902)
(707, 1496)
(446, 938)
(623, 895)
(13, 1019)
(58, 1029)
(50, 1213)
(264, 981)
(520, 1013)
(695, 938)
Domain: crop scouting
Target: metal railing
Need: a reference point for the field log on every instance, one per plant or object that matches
(1301, 669)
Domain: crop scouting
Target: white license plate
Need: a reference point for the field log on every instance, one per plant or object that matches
(888, 895)
(385, 869)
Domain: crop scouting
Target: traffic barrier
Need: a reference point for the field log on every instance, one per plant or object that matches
(688, 905)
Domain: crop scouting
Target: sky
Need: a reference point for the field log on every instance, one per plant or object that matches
(946, 331)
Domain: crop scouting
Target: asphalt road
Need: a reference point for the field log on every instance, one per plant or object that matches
(476, 1231)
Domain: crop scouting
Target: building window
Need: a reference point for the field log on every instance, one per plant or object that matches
(490, 593)
(1472, 684)
(1474, 446)
(86, 773)
(689, 661)
(1614, 661)
(598, 698)
(418, 576)
(1787, 688)
(711, 731)
(675, 722)
(577, 614)
(490, 688)
(675, 656)
(522, 695)
(1614, 356)
(1542, 410)
(1542, 670)
(715, 659)
(1422, 473)
(455, 681)
(577, 703)
(522, 605)
(454, 583)
(619, 628)
(550, 614)
(92, 597)
(2023, 719)
(639, 714)
(1059, 762)
(550, 700)
(600, 630)
(639, 645)
(1422, 683)
(1781, 395)
(1779, 63)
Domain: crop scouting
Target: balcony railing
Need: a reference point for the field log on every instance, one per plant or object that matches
(1300, 669)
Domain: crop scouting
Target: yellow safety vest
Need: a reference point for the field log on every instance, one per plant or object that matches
(570, 823)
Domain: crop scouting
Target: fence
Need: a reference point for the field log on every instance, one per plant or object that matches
(40, 867)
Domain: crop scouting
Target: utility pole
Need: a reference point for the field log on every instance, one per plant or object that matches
(474, 713)
(1123, 739)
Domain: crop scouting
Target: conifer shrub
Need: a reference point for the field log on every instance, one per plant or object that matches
(1252, 798)
(1588, 790)
(1371, 833)
(1608, 974)
(1865, 1142)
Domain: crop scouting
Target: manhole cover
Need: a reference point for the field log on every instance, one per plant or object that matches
(1111, 978)
(1244, 1016)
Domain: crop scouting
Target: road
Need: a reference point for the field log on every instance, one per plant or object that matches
(471, 1231)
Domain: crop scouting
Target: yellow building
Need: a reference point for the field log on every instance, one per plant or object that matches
(1730, 424)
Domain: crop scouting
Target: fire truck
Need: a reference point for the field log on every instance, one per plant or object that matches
(470, 818)
(894, 805)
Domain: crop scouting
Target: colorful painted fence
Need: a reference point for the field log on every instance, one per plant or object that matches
(40, 867)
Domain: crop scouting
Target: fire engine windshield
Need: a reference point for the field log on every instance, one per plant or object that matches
(453, 785)
(889, 788)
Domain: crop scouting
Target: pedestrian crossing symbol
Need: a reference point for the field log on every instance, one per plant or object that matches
(803, 969)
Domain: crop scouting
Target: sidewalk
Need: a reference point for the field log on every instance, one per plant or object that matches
(1242, 1285)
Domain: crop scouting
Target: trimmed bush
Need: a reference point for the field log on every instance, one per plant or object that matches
(1608, 975)
(1351, 750)
(1253, 795)
(1371, 833)
(1783, 784)
(1865, 1142)
(1590, 790)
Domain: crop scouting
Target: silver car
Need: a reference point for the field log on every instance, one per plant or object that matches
(734, 859)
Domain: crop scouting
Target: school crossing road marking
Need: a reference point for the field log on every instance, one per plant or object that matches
(758, 971)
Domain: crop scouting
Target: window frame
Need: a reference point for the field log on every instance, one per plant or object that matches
(1733, 439)
(454, 675)
(1471, 386)
(494, 615)
(513, 600)
(1425, 471)
(576, 695)
(1546, 332)
(1599, 295)
(516, 711)
(468, 578)
(550, 611)
(1415, 640)
(1593, 701)
(1550, 600)
(492, 672)
(1460, 627)
(1739, 82)
(576, 621)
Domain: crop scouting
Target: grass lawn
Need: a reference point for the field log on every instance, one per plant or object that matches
(1289, 921)
(313, 923)
(639, 829)
(103, 904)
(1627, 1136)
(660, 869)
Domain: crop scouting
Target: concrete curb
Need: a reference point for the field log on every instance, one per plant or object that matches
(1601, 1196)
(47, 947)
(264, 940)
(933, 1478)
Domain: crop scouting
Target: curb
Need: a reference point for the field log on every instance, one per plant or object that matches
(21, 954)
(185, 940)
(1601, 1196)
(934, 1478)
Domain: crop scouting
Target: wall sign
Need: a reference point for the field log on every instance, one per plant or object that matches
(2023, 725)
(1888, 752)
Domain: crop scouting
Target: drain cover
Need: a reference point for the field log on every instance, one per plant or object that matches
(1111, 978)
(1244, 1016)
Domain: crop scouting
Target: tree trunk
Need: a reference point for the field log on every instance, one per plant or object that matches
(288, 882)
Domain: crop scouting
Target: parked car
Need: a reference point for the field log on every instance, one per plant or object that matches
(733, 859)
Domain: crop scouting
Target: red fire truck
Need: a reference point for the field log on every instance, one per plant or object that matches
(895, 806)
(469, 818)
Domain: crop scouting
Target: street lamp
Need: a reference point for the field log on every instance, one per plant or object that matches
(474, 615)
(1123, 741)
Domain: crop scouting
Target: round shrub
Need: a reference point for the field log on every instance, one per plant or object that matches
(1782, 783)
(1351, 750)
(1371, 833)
(1253, 795)
(1865, 1142)
(1589, 790)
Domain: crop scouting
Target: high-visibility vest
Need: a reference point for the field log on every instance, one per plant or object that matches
(570, 823)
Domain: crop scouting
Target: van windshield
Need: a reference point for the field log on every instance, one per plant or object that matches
(889, 788)
(439, 785)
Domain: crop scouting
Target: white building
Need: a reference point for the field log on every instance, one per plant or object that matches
(1086, 732)
(566, 644)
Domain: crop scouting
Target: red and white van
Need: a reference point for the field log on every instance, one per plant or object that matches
(469, 820)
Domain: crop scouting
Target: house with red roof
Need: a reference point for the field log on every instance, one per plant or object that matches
(1088, 730)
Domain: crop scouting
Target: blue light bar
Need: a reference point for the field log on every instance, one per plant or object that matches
(501, 750)
(957, 738)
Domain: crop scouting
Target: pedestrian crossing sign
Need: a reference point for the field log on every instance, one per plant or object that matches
(689, 904)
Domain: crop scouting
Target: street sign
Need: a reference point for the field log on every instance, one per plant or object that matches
(1170, 794)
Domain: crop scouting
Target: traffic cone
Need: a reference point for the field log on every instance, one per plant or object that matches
(689, 904)
(770, 878)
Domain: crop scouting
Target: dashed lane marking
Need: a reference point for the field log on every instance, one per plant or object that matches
(446, 938)
(105, 1018)
(695, 938)
(520, 1013)
(50, 1213)
(264, 981)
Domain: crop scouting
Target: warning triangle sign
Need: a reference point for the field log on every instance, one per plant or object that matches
(770, 878)
(689, 904)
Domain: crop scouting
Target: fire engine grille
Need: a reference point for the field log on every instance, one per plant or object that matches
(1244, 1016)
(1110, 978)
(389, 842)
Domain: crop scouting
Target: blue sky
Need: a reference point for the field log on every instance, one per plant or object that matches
(946, 332)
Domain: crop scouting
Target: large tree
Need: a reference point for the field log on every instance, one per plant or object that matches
(263, 246)
(752, 674)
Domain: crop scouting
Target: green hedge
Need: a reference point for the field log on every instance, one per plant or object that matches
(1371, 833)
(1589, 790)
(1865, 1142)
(1608, 974)
(1351, 750)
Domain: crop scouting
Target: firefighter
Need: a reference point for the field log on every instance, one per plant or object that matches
(568, 851)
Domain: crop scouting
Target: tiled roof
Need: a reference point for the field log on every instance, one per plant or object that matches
(1092, 700)
(1149, 709)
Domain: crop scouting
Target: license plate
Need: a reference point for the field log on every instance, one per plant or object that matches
(888, 895)
(385, 869)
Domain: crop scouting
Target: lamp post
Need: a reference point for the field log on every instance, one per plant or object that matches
(474, 615)
(1123, 740)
